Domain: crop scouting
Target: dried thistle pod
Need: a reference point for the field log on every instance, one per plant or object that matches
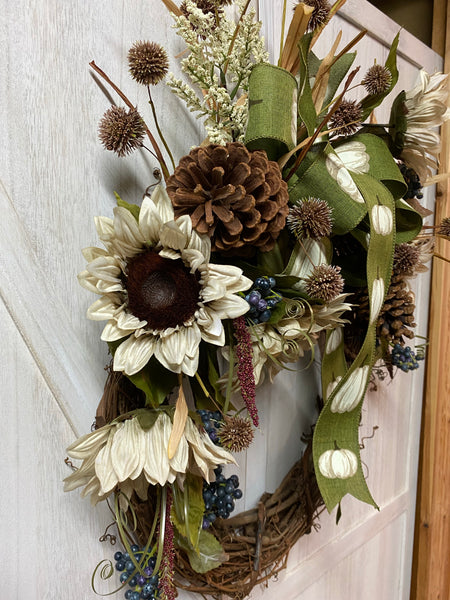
(121, 131)
(377, 80)
(236, 197)
(310, 218)
(347, 118)
(148, 62)
(236, 434)
(320, 13)
(325, 282)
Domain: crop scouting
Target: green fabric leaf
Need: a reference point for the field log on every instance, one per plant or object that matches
(409, 222)
(337, 73)
(154, 380)
(372, 101)
(210, 553)
(133, 208)
(188, 510)
(306, 109)
(272, 111)
(398, 124)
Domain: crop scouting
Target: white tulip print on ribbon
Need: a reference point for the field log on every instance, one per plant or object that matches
(376, 299)
(350, 394)
(338, 464)
(382, 219)
(334, 340)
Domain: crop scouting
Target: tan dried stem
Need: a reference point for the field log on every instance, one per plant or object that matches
(172, 7)
(153, 142)
(290, 56)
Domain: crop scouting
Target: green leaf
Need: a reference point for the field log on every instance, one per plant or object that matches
(154, 379)
(306, 108)
(210, 553)
(372, 101)
(337, 73)
(188, 510)
(133, 208)
(398, 124)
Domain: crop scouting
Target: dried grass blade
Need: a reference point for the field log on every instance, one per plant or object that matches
(297, 28)
(170, 5)
(179, 423)
(323, 75)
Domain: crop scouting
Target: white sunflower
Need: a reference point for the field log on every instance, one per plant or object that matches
(426, 106)
(130, 455)
(159, 292)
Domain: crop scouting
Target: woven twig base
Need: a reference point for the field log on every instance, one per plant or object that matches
(257, 541)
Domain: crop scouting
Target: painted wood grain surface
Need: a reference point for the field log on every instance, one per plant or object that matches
(54, 177)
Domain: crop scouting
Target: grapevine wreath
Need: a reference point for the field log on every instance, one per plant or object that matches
(293, 229)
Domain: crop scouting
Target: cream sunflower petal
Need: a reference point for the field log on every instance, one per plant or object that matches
(92, 253)
(105, 268)
(211, 327)
(127, 235)
(103, 309)
(139, 448)
(88, 444)
(202, 243)
(171, 236)
(150, 221)
(134, 353)
(104, 467)
(180, 345)
(123, 451)
(195, 258)
(156, 466)
(127, 321)
(229, 307)
(88, 281)
(104, 227)
(112, 333)
(163, 204)
(179, 462)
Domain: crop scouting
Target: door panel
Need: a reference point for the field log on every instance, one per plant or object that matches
(54, 177)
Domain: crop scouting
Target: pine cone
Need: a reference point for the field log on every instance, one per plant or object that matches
(394, 323)
(236, 197)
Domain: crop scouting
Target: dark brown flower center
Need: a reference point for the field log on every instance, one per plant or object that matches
(161, 291)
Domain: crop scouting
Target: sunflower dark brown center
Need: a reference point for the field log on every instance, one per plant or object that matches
(161, 291)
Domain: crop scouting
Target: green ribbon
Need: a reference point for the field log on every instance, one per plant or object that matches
(272, 111)
(337, 427)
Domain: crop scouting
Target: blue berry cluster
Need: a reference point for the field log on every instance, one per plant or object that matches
(412, 181)
(211, 422)
(143, 587)
(262, 300)
(405, 359)
(219, 497)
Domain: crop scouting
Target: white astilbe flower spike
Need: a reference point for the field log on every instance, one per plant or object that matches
(159, 293)
(126, 456)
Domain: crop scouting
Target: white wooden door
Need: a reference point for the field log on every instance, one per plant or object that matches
(54, 178)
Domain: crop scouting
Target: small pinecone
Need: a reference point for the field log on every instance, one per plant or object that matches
(238, 198)
(394, 323)
(397, 315)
